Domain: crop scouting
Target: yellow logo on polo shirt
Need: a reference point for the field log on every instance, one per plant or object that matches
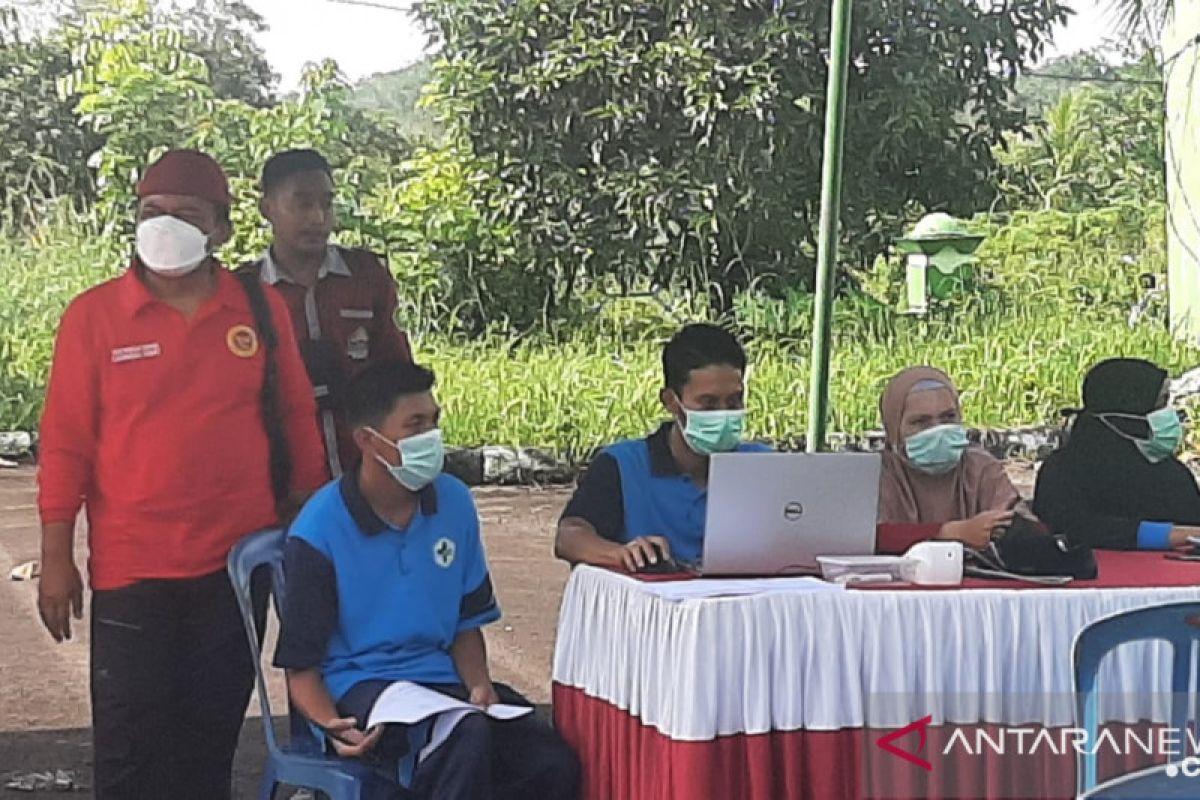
(443, 552)
(242, 341)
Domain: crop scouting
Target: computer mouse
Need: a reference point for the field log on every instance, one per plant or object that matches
(664, 565)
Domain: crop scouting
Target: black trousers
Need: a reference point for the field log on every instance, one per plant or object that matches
(171, 676)
(484, 759)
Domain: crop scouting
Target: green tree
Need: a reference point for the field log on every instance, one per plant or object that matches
(1100, 145)
(1040, 91)
(398, 94)
(45, 151)
(669, 141)
(455, 265)
(50, 52)
(1146, 17)
(223, 33)
(145, 88)
(139, 88)
(366, 150)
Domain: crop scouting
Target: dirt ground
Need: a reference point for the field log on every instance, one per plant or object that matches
(44, 712)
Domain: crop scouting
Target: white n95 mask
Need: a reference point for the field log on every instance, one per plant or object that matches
(171, 247)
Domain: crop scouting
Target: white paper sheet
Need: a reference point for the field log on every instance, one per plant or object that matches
(701, 588)
(408, 703)
(443, 726)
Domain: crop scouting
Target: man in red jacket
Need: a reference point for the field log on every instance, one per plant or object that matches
(155, 424)
(343, 300)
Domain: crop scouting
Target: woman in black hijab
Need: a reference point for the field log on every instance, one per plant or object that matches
(1116, 483)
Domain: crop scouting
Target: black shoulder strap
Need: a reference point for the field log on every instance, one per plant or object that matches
(272, 411)
(250, 268)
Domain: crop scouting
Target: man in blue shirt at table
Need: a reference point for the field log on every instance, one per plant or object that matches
(388, 581)
(644, 501)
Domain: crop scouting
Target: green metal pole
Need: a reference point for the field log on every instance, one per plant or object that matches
(827, 242)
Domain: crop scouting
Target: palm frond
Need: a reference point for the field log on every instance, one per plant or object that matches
(1145, 17)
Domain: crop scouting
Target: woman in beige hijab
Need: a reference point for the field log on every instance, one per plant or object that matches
(934, 485)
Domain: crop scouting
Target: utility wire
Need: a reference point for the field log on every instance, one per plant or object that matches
(1084, 79)
(371, 4)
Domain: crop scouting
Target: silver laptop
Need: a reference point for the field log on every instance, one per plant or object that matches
(774, 513)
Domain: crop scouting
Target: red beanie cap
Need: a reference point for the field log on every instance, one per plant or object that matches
(187, 172)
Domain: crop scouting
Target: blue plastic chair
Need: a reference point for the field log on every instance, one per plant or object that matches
(1152, 783)
(302, 763)
(1177, 623)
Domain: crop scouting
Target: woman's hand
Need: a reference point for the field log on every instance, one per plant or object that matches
(976, 532)
(1181, 533)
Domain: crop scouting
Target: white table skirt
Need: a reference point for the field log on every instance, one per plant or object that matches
(699, 669)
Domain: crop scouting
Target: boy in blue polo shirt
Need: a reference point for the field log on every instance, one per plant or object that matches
(388, 581)
(644, 500)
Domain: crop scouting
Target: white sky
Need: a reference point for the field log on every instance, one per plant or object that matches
(365, 40)
(362, 40)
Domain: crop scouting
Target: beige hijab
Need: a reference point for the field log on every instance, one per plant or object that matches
(908, 495)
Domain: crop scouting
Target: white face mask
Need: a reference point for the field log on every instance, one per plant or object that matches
(171, 247)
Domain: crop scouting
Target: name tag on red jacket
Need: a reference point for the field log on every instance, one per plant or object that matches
(136, 352)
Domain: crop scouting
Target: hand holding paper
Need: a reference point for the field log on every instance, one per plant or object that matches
(484, 696)
(408, 703)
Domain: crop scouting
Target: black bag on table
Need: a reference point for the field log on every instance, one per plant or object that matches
(1026, 550)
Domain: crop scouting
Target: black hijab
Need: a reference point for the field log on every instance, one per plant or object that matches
(1110, 471)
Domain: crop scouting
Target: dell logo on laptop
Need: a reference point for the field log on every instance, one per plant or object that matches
(793, 511)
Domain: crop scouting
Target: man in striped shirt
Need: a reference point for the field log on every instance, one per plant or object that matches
(342, 300)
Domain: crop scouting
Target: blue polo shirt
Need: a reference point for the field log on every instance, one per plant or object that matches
(634, 488)
(367, 601)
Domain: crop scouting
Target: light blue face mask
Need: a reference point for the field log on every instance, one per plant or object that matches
(936, 451)
(711, 432)
(422, 458)
(1166, 433)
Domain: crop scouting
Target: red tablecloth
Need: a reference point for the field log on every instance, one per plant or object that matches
(625, 759)
(636, 746)
(1118, 570)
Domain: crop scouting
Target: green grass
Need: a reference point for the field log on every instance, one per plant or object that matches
(574, 396)
(40, 272)
(1056, 305)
